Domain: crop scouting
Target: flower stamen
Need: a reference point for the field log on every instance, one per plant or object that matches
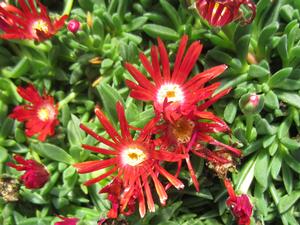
(133, 156)
(172, 92)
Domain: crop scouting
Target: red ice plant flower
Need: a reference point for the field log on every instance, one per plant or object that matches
(67, 221)
(222, 12)
(136, 162)
(240, 206)
(40, 115)
(27, 22)
(36, 174)
(186, 123)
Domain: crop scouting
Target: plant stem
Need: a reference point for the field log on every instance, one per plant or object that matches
(66, 100)
(68, 7)
(249, 126)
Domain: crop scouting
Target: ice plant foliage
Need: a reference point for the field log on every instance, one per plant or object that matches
(182, 102)
(222, 12)
(240, 206)
(40, 115)
(27, 22)
(133, 164)
(36, 174)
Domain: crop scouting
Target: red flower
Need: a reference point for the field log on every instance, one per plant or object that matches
(136, 162)
(36, 174)
(40, 116)
(240, 206)
(28, 22)
(186, 124)
(173, 89)
(222, 12)
(67, 221)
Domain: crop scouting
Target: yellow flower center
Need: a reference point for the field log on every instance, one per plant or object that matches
(172, 92)
(182, 130)
(46, 113)
(40, 25)
(133, 156)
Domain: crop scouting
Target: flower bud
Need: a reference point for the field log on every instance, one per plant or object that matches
(35, 175)
(251, 103)
(73, 26)
(67, 221)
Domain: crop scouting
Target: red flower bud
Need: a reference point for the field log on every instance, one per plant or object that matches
(67, 221)
(36, 174)
(251, 103)
(73, 26)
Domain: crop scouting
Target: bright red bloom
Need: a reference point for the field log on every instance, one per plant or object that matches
(186, 124)
(36, 174)
(136, 162)
(28, 22)
(240, 206)
(40, 115)
(67, 221)
(222, 12)
(174, 89)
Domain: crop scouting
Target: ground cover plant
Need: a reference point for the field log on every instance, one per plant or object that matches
(149, 112)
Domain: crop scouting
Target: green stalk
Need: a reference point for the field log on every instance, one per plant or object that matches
(66, 100)
(68, 7)
(249, 126)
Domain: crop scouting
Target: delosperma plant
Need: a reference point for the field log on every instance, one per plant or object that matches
(149, 112)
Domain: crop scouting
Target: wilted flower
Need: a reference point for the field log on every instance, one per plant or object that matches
(240, 206)
(73, 26)
(67, 221)
(9, 189)
(36, 174)
(136, 162)
(222, 12)
(28, 22)
(40, 115)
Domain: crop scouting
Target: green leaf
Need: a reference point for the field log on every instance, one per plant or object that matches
(288, 201)
(271, 100)
(256, 71)
(19, 70)
(230, 112)
(110, 97)
(279, 76)
(136, 23)
(283, 48)
(291, 144)
(52, 152)
(266, 34)
(276, 165)
(242, 46)
(292, 162)
(289, 98)
(284, 127)
(9, 91)
(287, 176)
(171, 12)
(75, 134)
(165, 33)
(268, 141)
(261, 171)
(273, 148)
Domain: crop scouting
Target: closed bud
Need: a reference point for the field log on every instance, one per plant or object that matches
(73, 26)
(251, 103)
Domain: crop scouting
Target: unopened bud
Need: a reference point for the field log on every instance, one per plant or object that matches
(73, 26)
(251, 103)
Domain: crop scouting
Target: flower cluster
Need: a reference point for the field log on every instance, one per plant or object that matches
(182, 125)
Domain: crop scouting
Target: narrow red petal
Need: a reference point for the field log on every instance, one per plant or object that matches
(99, 150)
(107, 125)
(179, 56)
(101, 177)
(173, 180)
(91, 166)
(150, 201)
(164, 58)
(159, 189)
